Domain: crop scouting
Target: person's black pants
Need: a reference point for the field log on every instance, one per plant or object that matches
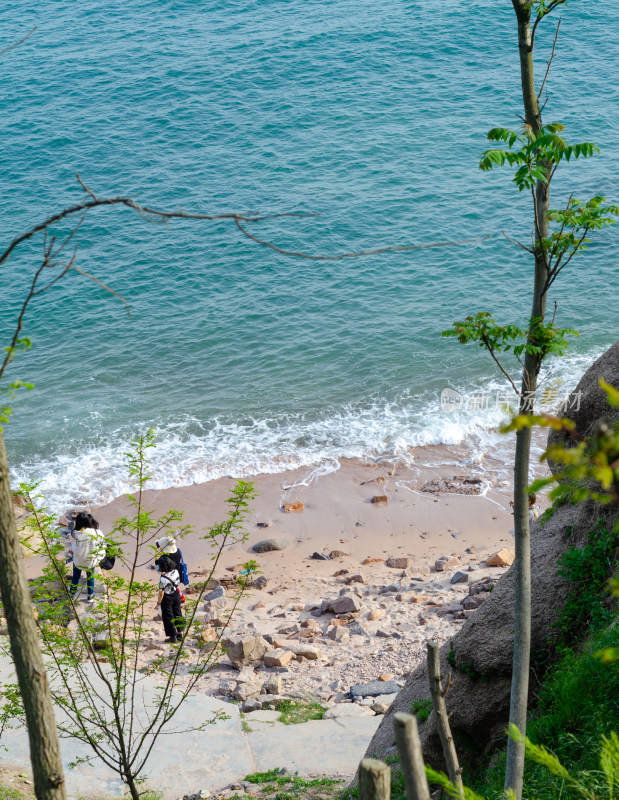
(172, 615)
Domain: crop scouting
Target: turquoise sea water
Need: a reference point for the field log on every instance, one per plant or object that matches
(247, 360)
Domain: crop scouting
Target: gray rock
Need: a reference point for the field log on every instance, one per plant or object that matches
(243, 649)
(460, 577)
(259, 583)
(347, 710)
(273, 685)
(587, 404)
(322, 609)
(244, 690)
(417, 570)
(345, 604)
(475, 600)
(386, 699)
(303, 650)
(355, 628)
(251, 704)
(276, 543)
(216, 594)
(288, 629)
(399, 562)
(338, 633)
(357, 578)
(374, 689)
(227, 687)
(246, 675)
(484, 585)
(216, 600)
(443, 562)
(203, 794)
(393, 587)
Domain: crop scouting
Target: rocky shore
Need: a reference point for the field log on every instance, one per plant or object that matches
(347, 641)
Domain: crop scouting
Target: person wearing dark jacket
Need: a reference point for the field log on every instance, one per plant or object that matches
(170, 600)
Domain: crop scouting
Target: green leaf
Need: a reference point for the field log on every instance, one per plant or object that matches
(612, 394)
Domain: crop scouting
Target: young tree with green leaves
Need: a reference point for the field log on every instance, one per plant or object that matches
(535, 153)
(95, 657)
(59, 258)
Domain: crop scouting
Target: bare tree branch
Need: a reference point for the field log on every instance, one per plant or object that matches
(518, 244)
(393, 249)
(490, 349)
(540, 17)
(131, 203)
(15, 44)
(102, 285)
(549, 62)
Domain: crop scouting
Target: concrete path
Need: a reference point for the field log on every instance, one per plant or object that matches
(185, 762)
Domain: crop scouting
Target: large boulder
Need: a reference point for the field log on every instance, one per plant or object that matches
(244, 649)
(480, 655)
(587, 403)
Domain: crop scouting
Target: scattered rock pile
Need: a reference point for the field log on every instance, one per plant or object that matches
(358, 628)
(458, 484)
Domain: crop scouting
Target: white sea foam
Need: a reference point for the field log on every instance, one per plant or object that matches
(192, 451)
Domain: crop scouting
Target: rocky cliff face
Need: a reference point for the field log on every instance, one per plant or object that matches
(479, 656)
(587, 403)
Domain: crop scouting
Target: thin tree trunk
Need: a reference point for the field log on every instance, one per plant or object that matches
(44, 746)
(514, 768)
(440, 709)
(131, 785)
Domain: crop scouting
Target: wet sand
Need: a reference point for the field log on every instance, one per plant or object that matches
(338, 514)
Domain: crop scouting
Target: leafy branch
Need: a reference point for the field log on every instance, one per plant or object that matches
(540, 339)
(589, 466)
(537, 156)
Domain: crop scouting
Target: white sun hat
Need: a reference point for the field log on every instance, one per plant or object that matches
(167, 544)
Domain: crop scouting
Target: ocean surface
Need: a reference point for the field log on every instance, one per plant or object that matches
(246, 360)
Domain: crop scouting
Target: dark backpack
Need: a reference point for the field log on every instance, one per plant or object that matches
(111, 551)
(107, 562)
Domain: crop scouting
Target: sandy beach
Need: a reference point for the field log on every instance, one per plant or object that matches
(429, 512)
(338, 510)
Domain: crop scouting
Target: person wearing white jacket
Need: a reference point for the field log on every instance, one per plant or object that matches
(87, 545)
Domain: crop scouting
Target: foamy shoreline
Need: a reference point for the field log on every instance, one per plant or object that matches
(337, 509)
(407, 430)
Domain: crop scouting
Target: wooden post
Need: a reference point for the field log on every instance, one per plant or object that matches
(411, 756)
(374, 780)
(440, 709)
